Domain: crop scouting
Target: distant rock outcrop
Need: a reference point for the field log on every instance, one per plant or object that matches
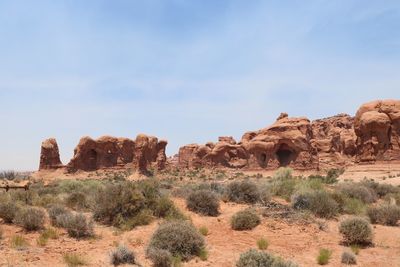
(373, 134)
(49, 155)
(108, 152)
(377, 126)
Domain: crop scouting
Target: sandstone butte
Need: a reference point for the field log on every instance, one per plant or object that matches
(372, 135)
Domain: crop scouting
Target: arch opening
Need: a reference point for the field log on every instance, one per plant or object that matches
(284, 155)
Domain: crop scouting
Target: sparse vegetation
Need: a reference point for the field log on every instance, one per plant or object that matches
(18, 242)
(30, 218)
(245, 220)
(262, 243)
(254, 258)
(8, 211)
(324, 256)
(58, 215)
(77, 225)
(122, 255)
(356, 230)
(348, 258)
(74, 259)
(243, 192)
(318, 202)
(203, 230)
(204, 202)
(386, 214)
(160, 257)
(179, 238)
(359, 191)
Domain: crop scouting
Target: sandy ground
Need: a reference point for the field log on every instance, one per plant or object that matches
(299, 243)
(296, 242)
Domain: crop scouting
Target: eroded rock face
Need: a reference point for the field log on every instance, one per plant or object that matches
(49, 155)
(377, 126)
(109, 152)
(373, 134)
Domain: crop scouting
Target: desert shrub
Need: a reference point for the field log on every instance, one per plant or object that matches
(283, 187)
(160, 257)
(243, 192)
(245, 220)
(356, 230)
(18, 242)
(203, 254)
(381, 189)
(324, 256)
(28, 197)
(318, 202)
(203, 230)
(204, 202)
(8, 211)
(393, 198)
(117, 202)
(179, 238)
(348, 257)
(254, 258)
(55, 211)
(30, 218)
(265, 195)
(77, 200)
(122, 255)
(353, 206)
(359, 191)
(73, 259)
(283, 173)
(77, 225)
(144, 217)
(165, 208)
(49, 233)
(262, 243)
(386, 214)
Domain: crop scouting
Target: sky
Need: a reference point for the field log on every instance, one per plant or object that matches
(185, 71)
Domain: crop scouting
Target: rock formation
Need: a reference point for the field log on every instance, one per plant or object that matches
(49, 155)
(373, 134)
(108, 152)
(377, 126)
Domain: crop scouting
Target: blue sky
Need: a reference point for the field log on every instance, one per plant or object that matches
(186, 71)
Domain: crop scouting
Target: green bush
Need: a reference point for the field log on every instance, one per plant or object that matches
(179, 238)
(77, 225)
(356, 230)
(284, 187)
(262, 243)
(55, 211)
(359, 191)
(386, 214)
(324, 256)
(8, 210)
(348, 258)
(254, 258)
(354, 206)
(77, 200)
(245, 220)
(243, 192)
(160, 257)
(318, 202)
(117, 202)
(381, 189)
(30, 218)
(283, 173)
(122, 255)
(204, 202)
